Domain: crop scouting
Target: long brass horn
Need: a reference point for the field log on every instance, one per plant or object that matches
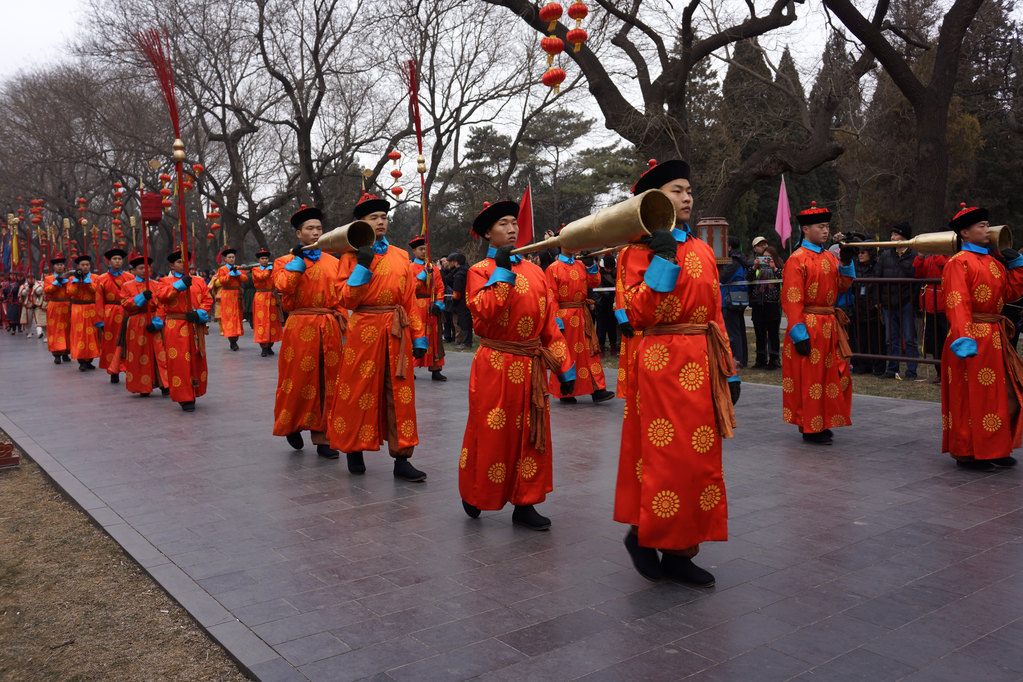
(346, 238)
(943, 243)
(624, 222)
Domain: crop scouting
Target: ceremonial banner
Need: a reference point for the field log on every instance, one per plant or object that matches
(783, 218)
(525, 219)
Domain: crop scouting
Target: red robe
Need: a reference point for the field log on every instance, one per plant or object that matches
(373, 404)
(266, 313)
(58, 315)
(184, 341)
(816, 389)
(231, 302)
(109, 292)
(623, 299)
(84, 335)
(670, 480)
(145, 360)
(570, 283)
(975, 411)
(423, 303)
(499, 462)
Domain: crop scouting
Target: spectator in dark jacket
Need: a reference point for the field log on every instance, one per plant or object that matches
(867, 328)
(765, 303)
(898, 302)
(447, 271)
(734, 300)
(463, 318)
(604, 307)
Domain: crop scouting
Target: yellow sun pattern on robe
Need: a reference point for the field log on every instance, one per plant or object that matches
(703, 438)
(308, 392)
(838, 420)
(369, 334)
(693, 266)
(525, 327)
(793, 295)
(307, 334)
(639, 469)
(665, 504)
(656, 357)
(463, 459)
(814, 391)
(832, 390)
(497, 472)
(994, 270)
(408, 428)
(817, 424)
(691, 376)
(521, 284)
(699, 315)
(669, 309)
(986, 376)
(660, 432)
(496, 418)
(953, 298)
(330, 358)
(528, 468)
(982, 294)
(991, 422)
(517, 372)
(367, 368)
(710, 497)
(367, 432)
(365, 401)
(307, 364)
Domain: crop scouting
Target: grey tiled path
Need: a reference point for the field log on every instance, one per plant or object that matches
(872, 559)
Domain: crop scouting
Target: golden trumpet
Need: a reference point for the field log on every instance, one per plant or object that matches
(944, 243)
(617, 225)
(346, 238)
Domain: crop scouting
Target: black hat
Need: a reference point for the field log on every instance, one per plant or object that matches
(416, 241)
(491, 213)
(305, 213)
(369, 203)
(903, 228)
(58, 259)
(813, 215)
(660, 174)
(967, 217)
(139, 260)
(83, 257)
(262, 252)
(175, 255)
(227, 252)
(115, 252)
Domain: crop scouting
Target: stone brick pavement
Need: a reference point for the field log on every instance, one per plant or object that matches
(872, 559)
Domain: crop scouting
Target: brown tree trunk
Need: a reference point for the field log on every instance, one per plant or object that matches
(929, 212)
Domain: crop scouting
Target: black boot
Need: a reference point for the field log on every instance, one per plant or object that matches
(975, 464)
(568, 401)
(356, 465)
(602, 395)
(188, 406)
(295, 440)
(89, 365)
(817, 438)
(270, 350)
(164, 390)
(683, 569)
(644, 559)
(83, 366)
(234, 345)
(115, 378)
(1004, 461)
(67, 358)
(404, 470)
(326, 452)
(264, 353)
(56, 359)
(437, 376)
(529, 517)
(472, 510)
(143, 395)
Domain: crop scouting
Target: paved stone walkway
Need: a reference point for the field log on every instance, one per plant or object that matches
(872, 559)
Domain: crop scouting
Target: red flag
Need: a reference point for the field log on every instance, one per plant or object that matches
(783, 218)
(525, 219)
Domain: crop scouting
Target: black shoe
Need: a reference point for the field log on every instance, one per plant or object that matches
(56, 359)
(759, 365)
(911, 376)
(115, 378)
(568, 401)
(530, 518)
(143, 395)
(975, 464)
(295, 440)
(67, 358)
(234, 345)
(644, 559)
(164, 390)
(356, 465)
(270, 351)
(83, 366)
(890, 375)
(602, 395)
(437, 376)
(773, 366)
(1004, 461)
(264, 353)
(817, 438)
(829, 434)
(188, 406)
(683, 569)
(472, 510)
(327, 452)
(404, 470)
(89, 365)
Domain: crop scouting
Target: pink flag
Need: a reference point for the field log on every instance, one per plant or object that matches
(525, 219)
(783, 219)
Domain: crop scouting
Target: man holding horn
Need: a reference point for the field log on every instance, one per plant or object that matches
(982, 376)
(682, 386)
(506, 451)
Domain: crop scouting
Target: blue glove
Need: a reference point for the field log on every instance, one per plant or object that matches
(139, 300)
(295, 265)
(421, 276)
(98, 325)
(204, 316)
(437, 308)
(158, 323)
(233, 271)
(179, 285)
(963, 347)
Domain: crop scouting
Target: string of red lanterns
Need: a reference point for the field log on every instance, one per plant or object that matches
(554, 76)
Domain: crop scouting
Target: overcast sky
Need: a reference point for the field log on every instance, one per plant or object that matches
(36, 32)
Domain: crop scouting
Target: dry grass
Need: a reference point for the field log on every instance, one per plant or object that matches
(74, 606)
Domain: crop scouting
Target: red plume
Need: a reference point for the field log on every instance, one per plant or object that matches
(156, 49)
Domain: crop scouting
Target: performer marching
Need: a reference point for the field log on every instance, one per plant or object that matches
(816, 384)
(266, 309)
(506, 450)
(571, 279)
(58, 311)
(187, 303)
(231, 279)
(144, 356)
(84, 322)
(429, 313)
(670, 487)
(109, 292)
(982, 376)
(311, 343)
(376, 400)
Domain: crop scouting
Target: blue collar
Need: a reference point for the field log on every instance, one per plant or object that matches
(492, 251)
(973, 248)
(268, 266)
(139, 279)
(175, 273)
(681, 235)
(116, 273)
(417, 261)
(380, 245)
(810, 245)
(566, 259)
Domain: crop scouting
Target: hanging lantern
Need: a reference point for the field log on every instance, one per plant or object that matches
(421, 164)
(396, 174)
(118, 233)
(577, 37)
(115, 222)
(122, 243)
(36, 220)
(553, 78)
(394, 156)
(187, 184)
(396, 191)
(104, 234)
(166, 203)
(118, 185)
(164, 178)
(215, 226)
(550, 13)
(553, 46)
(578, 11)
(116, 211)
(197, 168)
(210, 236)
(165, 192)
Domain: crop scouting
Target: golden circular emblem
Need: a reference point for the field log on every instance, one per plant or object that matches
(703, 438)
(660, 432)
(711, 496)
(497, 472)
(665, 504)
(496, 418)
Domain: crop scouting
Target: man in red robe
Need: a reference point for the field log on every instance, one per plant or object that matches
(506, 450)
(109, 292)
(682, 386)
(58, 311)
(429, 307)
(982, 376)
(84, 334)
(187, 303)
(266, 308)
(231, 279)
(143, 356)
(816, 383)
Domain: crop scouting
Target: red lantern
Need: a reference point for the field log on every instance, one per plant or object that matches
(122, 243)
(550, 13)
(209, 236)
(553, 46)
(553, 78)
(577, 37)
(394, 156)
(577, 11)
(118, 233)
(165, 178)
(36, 220)
(166, 203)
(213, 205)
(82, 221)
(215, 226)
(187, 184)
(396, 174)
(197, 168)
(115, 222)
(396, 191)
(116, 211)
(165, 192)
(104, 234)
(118, 185)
